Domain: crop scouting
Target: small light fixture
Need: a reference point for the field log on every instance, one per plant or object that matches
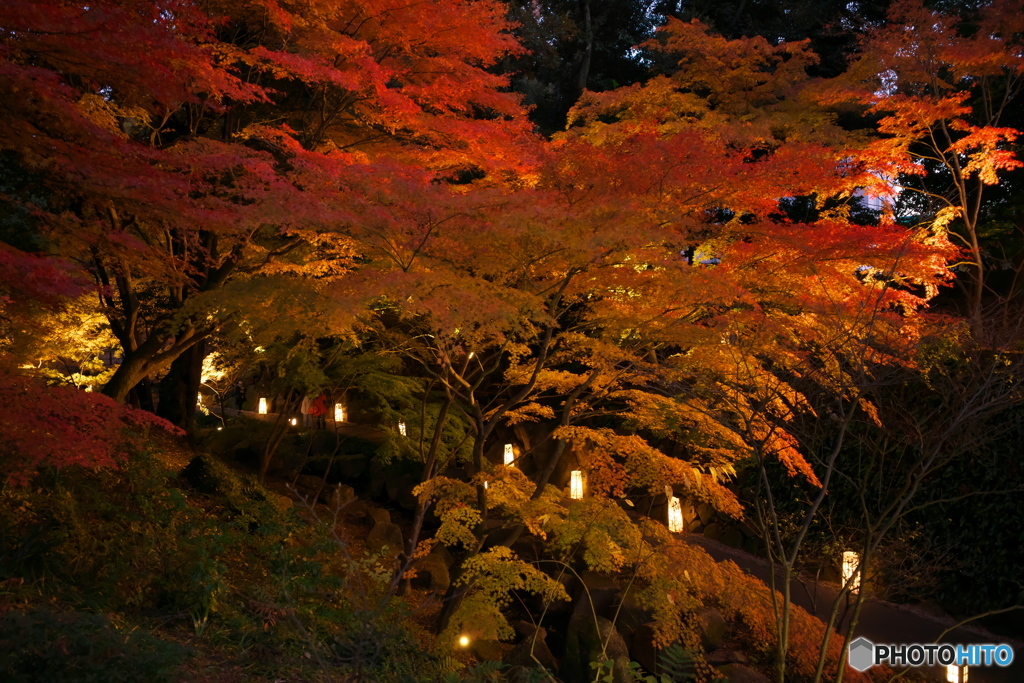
(485, 484)
(576, 485)
(220, 429)
(294, 421)
(339, 412)
(675, 514)
(851, 563)
(471, 354)
(401, 428)
(263, 407)
(510, 455)
(464, 641)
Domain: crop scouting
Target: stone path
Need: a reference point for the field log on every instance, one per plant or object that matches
(880, 621)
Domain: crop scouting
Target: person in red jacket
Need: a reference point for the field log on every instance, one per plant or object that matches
(319, 410)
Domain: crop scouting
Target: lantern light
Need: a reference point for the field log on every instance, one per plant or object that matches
(510, 455)
(851, 564)
(294, 421)
(339, 412)
(576, 485)
(401, 428)
(220, 429)
(675, 514)
(263, 407)
(956, 674)
(464, 641)
(485, 484)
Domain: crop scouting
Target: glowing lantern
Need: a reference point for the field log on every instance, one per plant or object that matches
(339, 412)
(219, 429)
(576, 485)
(675, 514)
(294, 421)
(262, 410)
(851, 562)
(464, 641)
(955, 674)
(485, 484)
(401, 428)
(510, 455)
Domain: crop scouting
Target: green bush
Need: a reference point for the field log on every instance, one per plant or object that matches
(75, 647)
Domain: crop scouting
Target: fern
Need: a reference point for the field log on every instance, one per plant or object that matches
(677, 663)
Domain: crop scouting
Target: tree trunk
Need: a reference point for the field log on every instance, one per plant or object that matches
(179, 389)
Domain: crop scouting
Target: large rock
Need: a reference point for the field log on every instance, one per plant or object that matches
(596, 594)
(643, 649)
(706, 513)
(352, 465)
(588, 642)
(629, 614)
(431, 574)
(711, 626)
(385, 537)
(532, 651)
(733, 537)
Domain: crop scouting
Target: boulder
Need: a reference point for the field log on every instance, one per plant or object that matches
(385, 537)
(488, 650)
(596, 594)
(733, 538)
(643, 649)
(706, 513)
(341, 496)
(584, 641)
(378, 515)
(352, 465)
(630, 614)
(714, 531)
(532, 651)
(431, 574)
(711, 626)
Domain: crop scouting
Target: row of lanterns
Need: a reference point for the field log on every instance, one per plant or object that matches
(339, 413)
(575, 477)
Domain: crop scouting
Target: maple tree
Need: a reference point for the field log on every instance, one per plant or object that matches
(943, 91)
(164, 180)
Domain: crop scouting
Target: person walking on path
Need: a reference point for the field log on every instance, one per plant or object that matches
(304, 408)
(319, 410)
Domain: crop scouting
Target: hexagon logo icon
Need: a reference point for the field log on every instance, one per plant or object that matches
(862, 654)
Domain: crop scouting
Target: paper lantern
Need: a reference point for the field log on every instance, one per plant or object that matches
(851, 563)
(576, 485)
(401, 428)
(675, 514)
(339, 412)
(510, 455)
(263, 406)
